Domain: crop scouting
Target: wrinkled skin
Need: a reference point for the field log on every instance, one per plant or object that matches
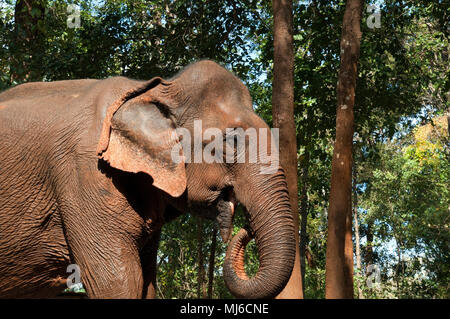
(86, 178)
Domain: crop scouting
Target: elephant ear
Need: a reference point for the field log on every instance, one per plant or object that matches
(139, 135)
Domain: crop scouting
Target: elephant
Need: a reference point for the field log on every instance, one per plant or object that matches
(88, 177)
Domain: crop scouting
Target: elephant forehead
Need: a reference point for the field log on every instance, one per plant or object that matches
(234, 115)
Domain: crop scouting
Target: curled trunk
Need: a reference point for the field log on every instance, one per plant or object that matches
(271, 222)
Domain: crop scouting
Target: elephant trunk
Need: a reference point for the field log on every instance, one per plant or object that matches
(271, 223)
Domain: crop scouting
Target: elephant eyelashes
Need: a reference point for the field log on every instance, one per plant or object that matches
(230, 145)
(231, 136)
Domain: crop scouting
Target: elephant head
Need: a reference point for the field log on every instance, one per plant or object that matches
(165, 127)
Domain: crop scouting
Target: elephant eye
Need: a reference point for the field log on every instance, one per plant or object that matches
(231, 135)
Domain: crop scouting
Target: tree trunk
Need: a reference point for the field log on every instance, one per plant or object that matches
(356, 225)
(338, 275)
(212, 257)
(304, 218)
(369, 245)
(201, 293)
(448, 117)
(283, 118)
(348, 251)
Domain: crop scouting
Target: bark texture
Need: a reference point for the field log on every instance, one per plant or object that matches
(283, 118)
(339, 256)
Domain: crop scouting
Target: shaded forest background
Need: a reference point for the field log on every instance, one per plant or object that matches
(400, 146)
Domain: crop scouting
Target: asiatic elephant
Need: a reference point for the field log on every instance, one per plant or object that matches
(88, 176)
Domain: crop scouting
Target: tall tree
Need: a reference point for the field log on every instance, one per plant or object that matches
(201, 292)
(283, 118)
(212, 257)
(357, 237)
(339, 278)
(304, 217)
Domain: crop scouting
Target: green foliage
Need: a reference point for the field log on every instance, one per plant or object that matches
(138, 39)
(408, 200)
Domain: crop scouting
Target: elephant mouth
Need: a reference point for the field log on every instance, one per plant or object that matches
(226, 207)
